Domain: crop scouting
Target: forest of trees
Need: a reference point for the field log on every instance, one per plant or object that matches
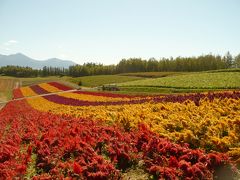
(18, 71)
(184, 64)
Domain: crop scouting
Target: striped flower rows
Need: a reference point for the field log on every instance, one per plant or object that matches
(210, 121)
(113, 133)
(78, 98)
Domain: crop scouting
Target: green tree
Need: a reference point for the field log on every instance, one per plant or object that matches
(228, 60)
(237, 61)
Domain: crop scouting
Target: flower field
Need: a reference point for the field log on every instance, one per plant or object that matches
(94, 135)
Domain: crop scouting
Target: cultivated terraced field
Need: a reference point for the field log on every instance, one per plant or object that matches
(93, 81)
(94, 135)
(218, 80)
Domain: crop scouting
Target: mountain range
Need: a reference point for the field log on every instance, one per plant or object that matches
(23, 60)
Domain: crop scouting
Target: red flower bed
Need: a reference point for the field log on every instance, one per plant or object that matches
(166, 160)
(17, 93)
(78, 148)
(37, 89)
(60, 86)
(13, 163)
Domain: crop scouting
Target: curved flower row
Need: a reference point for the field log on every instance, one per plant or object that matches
(78, 95)
(41, 145)
(49, 87)
(17, 93)
(46, 88)
(84, 97)
(78, 98)
(59, 86)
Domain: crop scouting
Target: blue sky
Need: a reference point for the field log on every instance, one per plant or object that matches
(108, 30)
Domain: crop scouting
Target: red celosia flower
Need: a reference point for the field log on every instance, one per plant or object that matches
(21, 169)
(173, 162)
(77, 168)
(29, 150)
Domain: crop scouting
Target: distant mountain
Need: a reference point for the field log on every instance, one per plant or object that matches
(22, 60)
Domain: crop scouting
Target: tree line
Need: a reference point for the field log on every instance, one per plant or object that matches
(18, 71)
(183, 64)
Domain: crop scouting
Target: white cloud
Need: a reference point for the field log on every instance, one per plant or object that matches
(5, 48)
(10, 42)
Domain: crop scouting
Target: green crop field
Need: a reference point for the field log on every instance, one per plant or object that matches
(218, 80)
(154, 74)
(37, 80)
(132, 83)
(88, 81)
(93, 81)
(224, 70)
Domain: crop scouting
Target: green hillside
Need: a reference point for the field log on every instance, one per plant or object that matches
(220, 80)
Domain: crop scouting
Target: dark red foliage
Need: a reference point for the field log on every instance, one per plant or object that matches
(37, 89)
(167, 160)
(77, 168)
(60, 86)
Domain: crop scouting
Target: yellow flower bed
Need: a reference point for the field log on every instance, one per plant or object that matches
(49, 88)
(27, 91)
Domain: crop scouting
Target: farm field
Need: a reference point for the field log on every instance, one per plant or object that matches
(217, 80)
(93, 81)
(6, 87)
(154, 74)
(167, 74)
(88, 81)
(37, 80)
(148, 90)
(97, 135)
